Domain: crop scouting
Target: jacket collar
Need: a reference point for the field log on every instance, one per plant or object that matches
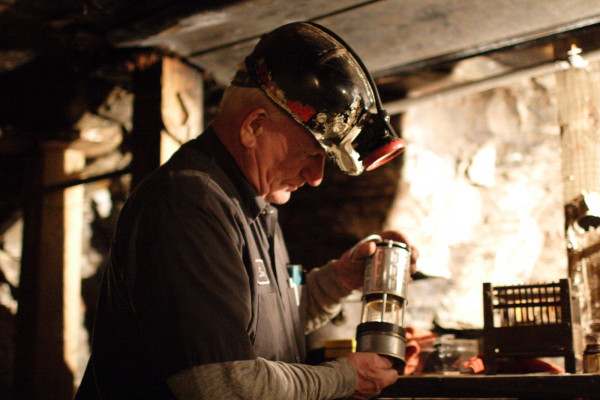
(252, 203)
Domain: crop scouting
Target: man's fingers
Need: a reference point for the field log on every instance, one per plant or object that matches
(391, 376)
(364, 251)
(383, 362)
(395, 235)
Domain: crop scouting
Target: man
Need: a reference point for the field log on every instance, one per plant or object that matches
(195, 301)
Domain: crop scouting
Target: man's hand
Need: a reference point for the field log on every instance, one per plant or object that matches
(351, 272)
(374, 374)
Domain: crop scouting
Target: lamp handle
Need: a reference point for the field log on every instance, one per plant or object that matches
(363, 241)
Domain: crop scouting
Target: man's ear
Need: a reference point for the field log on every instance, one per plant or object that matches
(252, 127)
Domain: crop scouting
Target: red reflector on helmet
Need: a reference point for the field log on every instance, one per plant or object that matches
(384, 154)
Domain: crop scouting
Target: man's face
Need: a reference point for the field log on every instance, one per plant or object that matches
(288, 156)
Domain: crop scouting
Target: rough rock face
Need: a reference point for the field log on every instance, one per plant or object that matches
(483, 193)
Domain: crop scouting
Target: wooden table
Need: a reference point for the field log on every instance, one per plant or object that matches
(530, 386)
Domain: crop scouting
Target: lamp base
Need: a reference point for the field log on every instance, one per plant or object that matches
(384, 339)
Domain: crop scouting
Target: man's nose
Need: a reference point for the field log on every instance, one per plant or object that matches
(313, 171)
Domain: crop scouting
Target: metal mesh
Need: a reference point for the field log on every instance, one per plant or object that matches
(527, 305)
(578, 94)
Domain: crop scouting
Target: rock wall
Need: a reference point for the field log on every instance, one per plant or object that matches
(482, 195)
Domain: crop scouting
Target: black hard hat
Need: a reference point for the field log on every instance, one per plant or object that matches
(318, 80)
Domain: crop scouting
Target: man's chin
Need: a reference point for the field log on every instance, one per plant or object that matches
(279, 197)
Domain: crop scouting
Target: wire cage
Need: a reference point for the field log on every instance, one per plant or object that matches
(528, 321)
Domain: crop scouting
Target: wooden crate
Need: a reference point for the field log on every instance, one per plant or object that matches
(528, 321)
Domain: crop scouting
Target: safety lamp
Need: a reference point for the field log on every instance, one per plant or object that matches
(384, 299)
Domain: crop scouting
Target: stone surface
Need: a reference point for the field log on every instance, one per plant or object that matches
(483, 194)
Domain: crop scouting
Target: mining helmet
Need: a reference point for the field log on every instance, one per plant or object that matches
(314, 76)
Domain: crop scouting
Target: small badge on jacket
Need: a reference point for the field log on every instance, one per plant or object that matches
(261, 277)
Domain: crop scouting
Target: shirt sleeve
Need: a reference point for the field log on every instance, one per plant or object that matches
(321, 296)
(262, 379)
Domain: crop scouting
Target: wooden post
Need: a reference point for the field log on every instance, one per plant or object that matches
(49, 314)
(168, 111)
(147, 124)
(578, 103)
(182, 105)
